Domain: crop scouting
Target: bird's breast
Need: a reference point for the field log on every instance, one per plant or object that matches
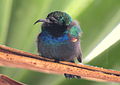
(60, 48)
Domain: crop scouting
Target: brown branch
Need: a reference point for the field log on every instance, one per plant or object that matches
(16, 58)
(4, 80)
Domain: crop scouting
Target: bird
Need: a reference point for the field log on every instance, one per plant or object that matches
(60, 39)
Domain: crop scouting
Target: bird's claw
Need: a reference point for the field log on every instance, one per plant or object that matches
(70, 76)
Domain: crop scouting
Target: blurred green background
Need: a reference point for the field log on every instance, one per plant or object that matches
(97, 19)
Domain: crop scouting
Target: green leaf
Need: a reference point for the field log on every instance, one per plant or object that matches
(5, 13)
(110, 57)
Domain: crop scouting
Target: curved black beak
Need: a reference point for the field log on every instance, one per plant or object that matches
(42, 20)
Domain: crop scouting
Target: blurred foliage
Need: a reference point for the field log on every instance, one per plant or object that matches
(97, 18)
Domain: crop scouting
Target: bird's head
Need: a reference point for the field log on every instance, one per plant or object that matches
(56, 22)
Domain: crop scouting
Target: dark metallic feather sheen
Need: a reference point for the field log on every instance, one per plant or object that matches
(59, 38)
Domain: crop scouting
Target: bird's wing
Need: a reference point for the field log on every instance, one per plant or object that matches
(75, 30)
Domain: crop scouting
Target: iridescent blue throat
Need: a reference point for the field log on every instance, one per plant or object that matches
(50, 40)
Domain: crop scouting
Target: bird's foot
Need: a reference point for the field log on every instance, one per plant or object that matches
(70, 76)
(56, 61)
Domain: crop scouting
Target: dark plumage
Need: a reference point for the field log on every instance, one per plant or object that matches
(59, 38)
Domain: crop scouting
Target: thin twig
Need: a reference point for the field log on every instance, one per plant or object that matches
(16, 58)
(4, 80)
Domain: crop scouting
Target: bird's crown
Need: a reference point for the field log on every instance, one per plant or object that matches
(59, 17)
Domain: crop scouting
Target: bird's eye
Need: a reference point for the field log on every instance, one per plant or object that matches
(51, 20)
(54, 20)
